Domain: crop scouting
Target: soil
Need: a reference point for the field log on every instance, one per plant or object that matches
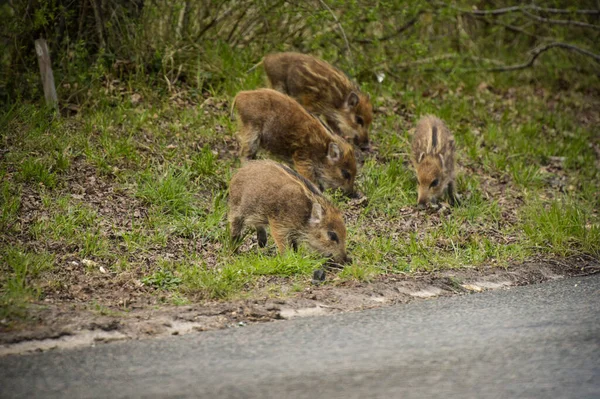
(67, 325)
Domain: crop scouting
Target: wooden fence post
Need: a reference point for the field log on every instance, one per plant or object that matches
(43, 54)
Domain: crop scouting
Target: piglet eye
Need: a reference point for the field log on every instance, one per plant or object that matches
(333, 236)
(434, 183)
(346, 174)
(360, 121)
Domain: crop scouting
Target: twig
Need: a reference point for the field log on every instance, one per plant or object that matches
(517, 29)
(237, 23)
(498, 11)
(501, 67)
(253, 22)
(506, 10)
(537, 52)
(560, 21)
(213, 22)
(398, 31)
(341, 29)
(446, 57)
(562, 11)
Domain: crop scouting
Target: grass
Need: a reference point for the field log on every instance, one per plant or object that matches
(36, 170)
(167, 191)
(72, 224)
(9, 204)
(228, 279)
(155, 211)
(389, 186)
(562, 227)
(20, 278)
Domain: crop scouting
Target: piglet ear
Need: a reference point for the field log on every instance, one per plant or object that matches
(420, 158)
(316, 214)
(352, 100)
(333, 152)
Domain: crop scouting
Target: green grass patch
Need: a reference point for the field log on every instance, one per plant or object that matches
(10, 202)
(388, 187)
(562, 227)
(239, 274)
(208, 225)
(20, 273)
(167, 190)
(36, 170)
(73, 224)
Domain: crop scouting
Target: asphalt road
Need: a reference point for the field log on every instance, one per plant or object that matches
(530, 342)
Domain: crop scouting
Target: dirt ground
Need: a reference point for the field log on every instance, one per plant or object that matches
(66, 325)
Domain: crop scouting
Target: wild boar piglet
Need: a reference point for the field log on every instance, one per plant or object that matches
(433, 159)
(323, 90)
(266, 193)
(276, 123)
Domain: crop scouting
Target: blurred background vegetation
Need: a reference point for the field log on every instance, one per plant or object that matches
(208, 45)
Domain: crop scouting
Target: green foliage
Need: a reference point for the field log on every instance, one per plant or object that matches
(161, 278)
(211, 49)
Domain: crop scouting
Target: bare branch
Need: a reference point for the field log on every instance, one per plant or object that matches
(506, 10)
(214, 21)
(237, 23)
(560, 21)
(516, 29)
(538, 51)
(512, 28)
(341, 29)
(398, 31)
(498, 11)
(563, 11)
(501, 67)
(442, 57)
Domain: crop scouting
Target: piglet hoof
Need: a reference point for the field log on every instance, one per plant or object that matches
(318, 276)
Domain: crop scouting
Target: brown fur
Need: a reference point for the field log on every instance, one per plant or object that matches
(278, 124)
(266, 193)
(433, 159)
(322, 90)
